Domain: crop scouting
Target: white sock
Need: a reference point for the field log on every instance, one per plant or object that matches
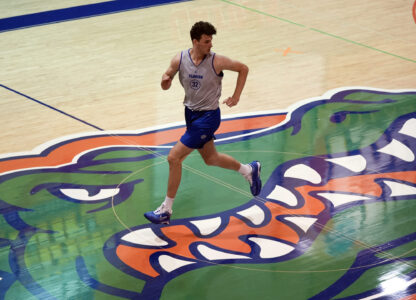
(245, 170)
(168, 203)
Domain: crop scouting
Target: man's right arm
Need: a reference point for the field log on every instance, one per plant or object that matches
(170, 72)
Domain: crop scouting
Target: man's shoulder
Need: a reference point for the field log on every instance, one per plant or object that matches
(219, 61)
(176, 59)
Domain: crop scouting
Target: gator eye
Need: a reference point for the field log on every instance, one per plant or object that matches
(340, 116)
(84, 195)
(88, 194)
(109, 195)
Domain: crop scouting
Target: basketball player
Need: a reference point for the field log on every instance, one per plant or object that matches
(200, 74)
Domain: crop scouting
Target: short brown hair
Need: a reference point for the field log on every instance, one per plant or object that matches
(201, 28)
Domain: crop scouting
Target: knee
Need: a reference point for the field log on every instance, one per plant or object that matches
(173, 160)
(211, 160)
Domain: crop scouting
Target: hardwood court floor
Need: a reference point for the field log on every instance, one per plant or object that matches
(328, 108)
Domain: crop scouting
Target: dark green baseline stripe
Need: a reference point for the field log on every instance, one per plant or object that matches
(319, 31)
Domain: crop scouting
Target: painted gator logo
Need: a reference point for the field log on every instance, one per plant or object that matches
(73, 210)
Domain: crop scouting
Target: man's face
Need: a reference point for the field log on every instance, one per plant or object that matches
(204, 44)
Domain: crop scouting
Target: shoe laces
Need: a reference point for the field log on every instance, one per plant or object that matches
(161, 210)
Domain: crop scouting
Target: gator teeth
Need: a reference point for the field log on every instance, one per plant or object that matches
(409, 128)
(212, 254)
(271, 248)
(144, 237)
(303, 223)
(400, 189)
(282, 194)
(207, 226)
(355, 163)
(399, 150)
(339, 199)
(254, 213)
(304, 172)
(169, 263)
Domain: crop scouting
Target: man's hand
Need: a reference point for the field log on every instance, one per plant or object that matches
(167, 77)
(166, 81)
(230, 101)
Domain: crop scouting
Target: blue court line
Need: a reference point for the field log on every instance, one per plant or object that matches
(77, 12)
(51, 107)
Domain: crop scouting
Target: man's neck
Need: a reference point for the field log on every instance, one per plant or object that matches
(196, 56)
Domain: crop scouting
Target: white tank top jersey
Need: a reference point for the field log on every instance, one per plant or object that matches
(201, 83)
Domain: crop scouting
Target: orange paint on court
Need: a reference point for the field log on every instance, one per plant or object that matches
(64, 154)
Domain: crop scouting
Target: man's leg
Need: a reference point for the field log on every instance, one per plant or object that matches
(251, 172)
(175, 158)
(213, 158)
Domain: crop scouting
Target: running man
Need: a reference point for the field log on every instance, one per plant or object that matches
(200, 74)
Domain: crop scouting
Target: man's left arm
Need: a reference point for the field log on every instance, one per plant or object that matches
(224, 63)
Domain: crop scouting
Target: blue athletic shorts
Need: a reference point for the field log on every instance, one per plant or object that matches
(200, 127)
